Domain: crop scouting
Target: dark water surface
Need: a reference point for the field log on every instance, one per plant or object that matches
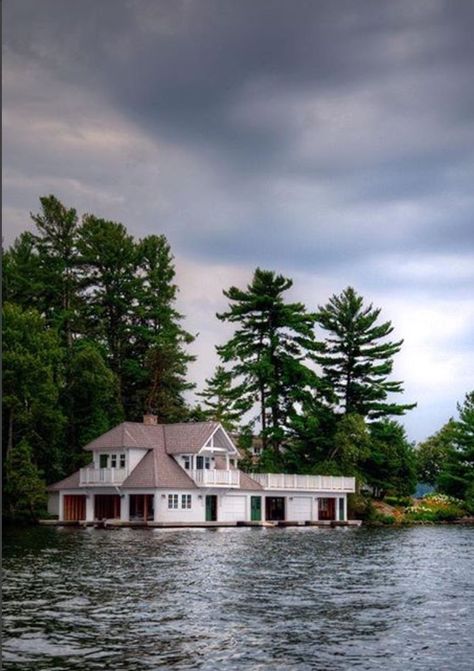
(246, 599)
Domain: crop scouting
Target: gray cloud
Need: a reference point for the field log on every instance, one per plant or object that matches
(332, 141)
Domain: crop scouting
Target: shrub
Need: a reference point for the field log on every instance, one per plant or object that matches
(360, 507)
(398, 500)
(384, 519)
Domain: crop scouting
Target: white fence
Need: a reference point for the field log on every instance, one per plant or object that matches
(331, 483)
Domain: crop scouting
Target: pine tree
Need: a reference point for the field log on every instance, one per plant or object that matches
(219, 401)
(108, 260)
(457, 476)
(269, 353)
(357, 359)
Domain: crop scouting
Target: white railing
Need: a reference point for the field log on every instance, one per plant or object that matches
(315, 482)
(102, 476)
(213, 477)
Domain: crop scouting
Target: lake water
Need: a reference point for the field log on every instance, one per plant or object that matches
(245, 599)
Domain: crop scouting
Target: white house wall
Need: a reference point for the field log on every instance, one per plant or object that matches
(197, 512)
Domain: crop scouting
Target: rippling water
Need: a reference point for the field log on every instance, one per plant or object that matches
(245, 599)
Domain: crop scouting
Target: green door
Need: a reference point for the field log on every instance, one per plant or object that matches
(211, 508)
(256, 508)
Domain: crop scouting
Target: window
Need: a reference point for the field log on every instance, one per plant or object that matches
(185, 500)
(103, 460)
(232, 462)
(187, 463)
(203, 462)
(323, 504)
(173, 501)
(122, 461)
(113, 461)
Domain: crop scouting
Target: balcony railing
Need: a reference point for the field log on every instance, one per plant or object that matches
(102, 476)
(331, 483)
(214, 477)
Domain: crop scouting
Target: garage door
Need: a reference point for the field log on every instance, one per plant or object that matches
(233, 509)
(299, 509)
(74, 507)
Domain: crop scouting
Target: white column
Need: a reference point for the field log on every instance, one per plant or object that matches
(61, 507)
(156, 503)
(316, 509)
(90, 507)
(124, 507)
(227, 462)
(345, 507)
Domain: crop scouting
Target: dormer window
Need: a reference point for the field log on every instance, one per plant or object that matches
(103, 460)
(113, 461)
(122, 461)
(187, 463)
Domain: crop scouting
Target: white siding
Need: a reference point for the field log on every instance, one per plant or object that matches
(232, 508)
(197, 512)
(53, 503)
(299, 508)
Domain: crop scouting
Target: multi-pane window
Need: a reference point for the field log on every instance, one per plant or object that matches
(173, 500)
(185, 500)
(113, 461)
(203, 462)
(187, 462)
(122, 461)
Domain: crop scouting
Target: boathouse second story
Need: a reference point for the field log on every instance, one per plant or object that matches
(188, 455)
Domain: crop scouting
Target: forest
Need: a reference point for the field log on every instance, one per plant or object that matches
(92, 337)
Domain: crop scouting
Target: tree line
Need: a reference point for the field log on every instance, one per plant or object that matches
(92, 337)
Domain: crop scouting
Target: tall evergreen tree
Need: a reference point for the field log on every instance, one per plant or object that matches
(269, 353)
(357, 359)
(56, 243)
(160, 341)
(219, 399)
(108, 260)
(457, 476)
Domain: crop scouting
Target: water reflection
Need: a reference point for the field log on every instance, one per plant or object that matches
(269, 599)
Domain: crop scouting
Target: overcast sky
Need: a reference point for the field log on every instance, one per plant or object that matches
(331, 141)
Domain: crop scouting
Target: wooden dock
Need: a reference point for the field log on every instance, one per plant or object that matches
(118, 524)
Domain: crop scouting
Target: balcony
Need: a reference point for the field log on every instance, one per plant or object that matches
(325, 483)
(214, 477)
(102, 476)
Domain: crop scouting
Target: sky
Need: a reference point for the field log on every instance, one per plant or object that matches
(330, 141)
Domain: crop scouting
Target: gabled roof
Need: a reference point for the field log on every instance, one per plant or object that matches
(158, 468)
(175, 438)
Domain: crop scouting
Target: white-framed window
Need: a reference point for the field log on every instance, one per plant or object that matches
(113, 461)
(103, 460)
(173, 500)
(186, 500)
(187, 462)
(122, 461)
(203, 463)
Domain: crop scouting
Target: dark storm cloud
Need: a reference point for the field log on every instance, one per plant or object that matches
(330, 139)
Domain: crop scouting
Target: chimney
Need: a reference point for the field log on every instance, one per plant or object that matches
(150, 420)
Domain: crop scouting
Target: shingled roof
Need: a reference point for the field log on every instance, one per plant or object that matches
(177, 438)
(157, 469)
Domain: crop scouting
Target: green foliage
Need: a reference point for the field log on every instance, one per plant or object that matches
(357, 359)
(398, 501)
(268, 352)
(432, 454)
(24, 491)
(90, 399)
(360, 507)
(220, 401)
(32, 375)
(391, 466)
(457, 475)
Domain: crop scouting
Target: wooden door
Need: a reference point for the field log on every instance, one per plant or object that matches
(211, 508)
(256, 508)
(74, 508)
